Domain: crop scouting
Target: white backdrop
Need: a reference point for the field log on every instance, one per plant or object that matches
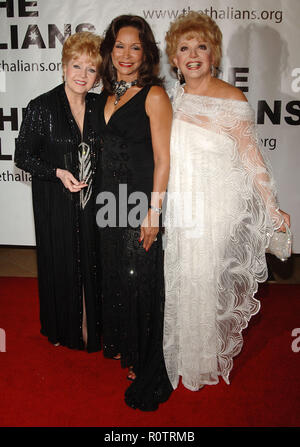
(260, 54)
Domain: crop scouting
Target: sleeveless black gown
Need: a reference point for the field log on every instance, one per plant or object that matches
(132, 281)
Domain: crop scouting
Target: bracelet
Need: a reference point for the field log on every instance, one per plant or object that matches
(157, 210)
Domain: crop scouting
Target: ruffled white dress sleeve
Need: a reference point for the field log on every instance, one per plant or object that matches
(221, 212)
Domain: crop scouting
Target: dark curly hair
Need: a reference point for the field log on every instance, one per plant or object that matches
(148, 71)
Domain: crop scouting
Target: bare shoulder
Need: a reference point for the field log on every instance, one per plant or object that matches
(228, 91)
(236, 93)
(157, 93)
(157, 99)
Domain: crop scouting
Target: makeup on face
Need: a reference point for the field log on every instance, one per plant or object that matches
(80, 74)
(127, 54)
(193, 57)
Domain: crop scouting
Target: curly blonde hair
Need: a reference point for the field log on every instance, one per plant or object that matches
(191, 25)
(83, 42)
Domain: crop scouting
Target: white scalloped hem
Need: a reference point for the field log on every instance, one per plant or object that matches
(224, 376)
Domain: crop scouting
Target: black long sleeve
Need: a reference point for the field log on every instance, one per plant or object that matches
(30, 144)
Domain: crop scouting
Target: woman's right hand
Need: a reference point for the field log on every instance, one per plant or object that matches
(286, 220)
(149, 229)
(69, 181)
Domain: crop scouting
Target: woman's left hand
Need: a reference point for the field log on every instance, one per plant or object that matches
(287, 220)
(149, 229)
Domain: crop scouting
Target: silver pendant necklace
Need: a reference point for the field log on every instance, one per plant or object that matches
(120, 88)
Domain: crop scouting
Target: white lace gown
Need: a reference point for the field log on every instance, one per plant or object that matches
(221, 213)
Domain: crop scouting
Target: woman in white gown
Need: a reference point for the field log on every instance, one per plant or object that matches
(221, 212)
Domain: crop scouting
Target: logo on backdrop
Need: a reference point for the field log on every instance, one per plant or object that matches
(33, 36)
(229, 13)
(11, 117)
(239, 78)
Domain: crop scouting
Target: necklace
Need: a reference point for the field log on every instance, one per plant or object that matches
(120, 88)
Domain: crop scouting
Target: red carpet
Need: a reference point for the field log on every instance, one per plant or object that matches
(41, 385)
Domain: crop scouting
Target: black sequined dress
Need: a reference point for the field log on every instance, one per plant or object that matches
(49, 138)
(132, 279)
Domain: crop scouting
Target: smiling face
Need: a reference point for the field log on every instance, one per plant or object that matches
(127, 54)
(193, 57)
(80, 75)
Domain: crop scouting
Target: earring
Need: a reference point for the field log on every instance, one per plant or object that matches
(179, 74)
(212, 70)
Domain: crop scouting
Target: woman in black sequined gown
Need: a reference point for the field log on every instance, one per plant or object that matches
(134, 159)
(55, 129)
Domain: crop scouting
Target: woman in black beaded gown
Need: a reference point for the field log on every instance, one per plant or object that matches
(135, 120)
(57, 145)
